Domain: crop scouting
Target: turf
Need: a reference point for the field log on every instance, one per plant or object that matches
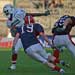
(27, 66)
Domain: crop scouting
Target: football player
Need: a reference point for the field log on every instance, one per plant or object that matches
(61, 34)
(16, 16)
(32, 46)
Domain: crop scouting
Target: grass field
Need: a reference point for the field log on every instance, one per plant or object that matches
(27, 66)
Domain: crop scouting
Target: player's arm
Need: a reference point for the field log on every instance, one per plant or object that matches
(68, 25)
(45, 38)
(73, 20)
(70, 21)
(18, 19)
(67, 22)
(40, 29)
(39, 14)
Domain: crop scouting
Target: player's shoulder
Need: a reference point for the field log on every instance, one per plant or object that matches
(64, 17)
(37, 24)
(73, 20)
(72, 17)
(19, 11)
(38, 27)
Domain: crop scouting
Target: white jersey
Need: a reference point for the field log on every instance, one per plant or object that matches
(17, 18)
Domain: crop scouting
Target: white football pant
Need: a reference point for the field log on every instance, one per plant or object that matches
(37, 52)
(64, 40)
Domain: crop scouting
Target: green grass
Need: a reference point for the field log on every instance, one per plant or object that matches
(28, 66)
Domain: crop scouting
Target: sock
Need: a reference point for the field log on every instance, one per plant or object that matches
(56, 61)
(57, 68)
(14, 58)
(56, 53)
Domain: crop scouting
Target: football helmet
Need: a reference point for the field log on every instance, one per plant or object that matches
(8, 9)
(29, 20)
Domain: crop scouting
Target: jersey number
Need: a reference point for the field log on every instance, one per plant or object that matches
(29, 29)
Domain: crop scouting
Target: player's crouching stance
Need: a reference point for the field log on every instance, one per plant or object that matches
(61, 32)
(16, 16)
(32, 46)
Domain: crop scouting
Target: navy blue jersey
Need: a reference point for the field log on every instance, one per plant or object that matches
(59, 28)
(60, 22)
(27, 34)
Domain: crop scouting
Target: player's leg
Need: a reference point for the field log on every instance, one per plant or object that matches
(33, 52)
(46, 55)
(44, 61)
(15, 54)
(58, 42)
(70, 45)
(56, 51)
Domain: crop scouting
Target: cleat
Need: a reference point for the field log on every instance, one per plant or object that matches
(62, 71)
(12, 67)
(64, 64)
(67, 65)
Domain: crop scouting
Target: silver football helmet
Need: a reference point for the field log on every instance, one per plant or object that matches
(8, 9)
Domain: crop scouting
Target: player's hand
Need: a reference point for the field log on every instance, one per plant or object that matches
(47, 12)
(13, 31)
